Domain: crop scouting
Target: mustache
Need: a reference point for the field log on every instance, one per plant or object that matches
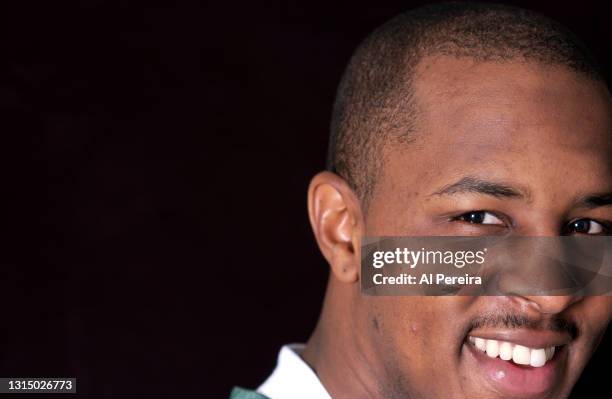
(516, 321)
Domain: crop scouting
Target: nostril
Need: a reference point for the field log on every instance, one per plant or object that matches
(552, 305)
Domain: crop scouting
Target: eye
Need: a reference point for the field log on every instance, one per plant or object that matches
(585, 226)
(480, 217)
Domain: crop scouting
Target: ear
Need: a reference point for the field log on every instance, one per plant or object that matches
(336, 219)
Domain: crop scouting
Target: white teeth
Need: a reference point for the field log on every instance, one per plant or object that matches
(505, 351)
(519, 354)
(538, 358)
(492, 348)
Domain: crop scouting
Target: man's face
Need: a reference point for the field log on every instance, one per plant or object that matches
(526, 144)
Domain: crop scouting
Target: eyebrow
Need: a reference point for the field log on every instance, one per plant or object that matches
(595, 201)
(470, 184)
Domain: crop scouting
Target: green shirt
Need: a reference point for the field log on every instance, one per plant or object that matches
(241, 393)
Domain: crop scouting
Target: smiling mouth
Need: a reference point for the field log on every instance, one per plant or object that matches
(517, 354)
(518, 363)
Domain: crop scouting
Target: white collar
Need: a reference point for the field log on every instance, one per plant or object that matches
(293, 378)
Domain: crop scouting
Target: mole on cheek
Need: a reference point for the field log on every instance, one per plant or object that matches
(375, 323)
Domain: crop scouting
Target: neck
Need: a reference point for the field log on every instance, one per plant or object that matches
(335, 352)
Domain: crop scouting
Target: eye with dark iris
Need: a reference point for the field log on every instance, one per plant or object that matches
(585, 226)
(480, 217)
(577, 226)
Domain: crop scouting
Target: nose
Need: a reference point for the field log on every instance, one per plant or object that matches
(539, 269)
(552, 304)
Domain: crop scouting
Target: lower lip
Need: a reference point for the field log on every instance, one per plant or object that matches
(515, 380)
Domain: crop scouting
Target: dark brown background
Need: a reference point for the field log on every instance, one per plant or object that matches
(154, 160)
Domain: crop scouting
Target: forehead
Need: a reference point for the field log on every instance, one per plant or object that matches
(509, 104)
(544, 128)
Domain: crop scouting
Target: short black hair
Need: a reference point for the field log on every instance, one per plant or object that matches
(374, 102)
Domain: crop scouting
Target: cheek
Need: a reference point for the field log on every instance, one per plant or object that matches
(415, 342)
(594, 315)
(418, 327)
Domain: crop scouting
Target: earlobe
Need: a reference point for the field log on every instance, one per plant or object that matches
(336, 220)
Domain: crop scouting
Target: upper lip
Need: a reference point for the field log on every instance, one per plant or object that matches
(525, 337)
